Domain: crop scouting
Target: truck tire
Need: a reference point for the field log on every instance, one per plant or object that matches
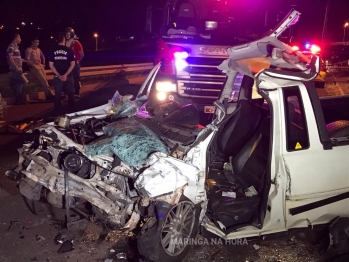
(155, 243)
(338, 129)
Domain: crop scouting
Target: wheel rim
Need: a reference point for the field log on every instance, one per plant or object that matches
(177, 228)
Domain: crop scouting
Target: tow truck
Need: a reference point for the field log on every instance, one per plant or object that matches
(193, 39)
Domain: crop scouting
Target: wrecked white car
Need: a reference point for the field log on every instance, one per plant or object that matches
(274, 159)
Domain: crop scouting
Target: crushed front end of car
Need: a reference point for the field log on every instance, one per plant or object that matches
(114, 158)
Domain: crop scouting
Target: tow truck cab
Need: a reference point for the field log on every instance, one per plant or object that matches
(193, 41)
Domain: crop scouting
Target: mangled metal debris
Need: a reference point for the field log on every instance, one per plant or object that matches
(121, 256)
(59, 239)
(67, 246)
(39, 238)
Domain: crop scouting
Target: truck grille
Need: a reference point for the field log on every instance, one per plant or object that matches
(201, 79)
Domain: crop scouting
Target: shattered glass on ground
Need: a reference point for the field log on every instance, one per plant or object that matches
(131, 141)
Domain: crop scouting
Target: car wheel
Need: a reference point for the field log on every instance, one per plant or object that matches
(166, 240)
(338, 129)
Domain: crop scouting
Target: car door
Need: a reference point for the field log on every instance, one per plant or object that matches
(317, 178)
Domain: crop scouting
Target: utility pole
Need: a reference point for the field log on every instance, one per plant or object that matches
(325, 21)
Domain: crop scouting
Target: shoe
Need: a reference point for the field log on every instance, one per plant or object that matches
(76, 97)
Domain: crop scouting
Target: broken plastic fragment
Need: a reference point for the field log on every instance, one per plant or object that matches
(221, 225)
(229, 194)
(256, 247)
(251, 191)
(66, 247)
(12, 223)
(227, 166)
(39, 238)
(59, 239)
(116, 97)
(121, 256)
(123, 106)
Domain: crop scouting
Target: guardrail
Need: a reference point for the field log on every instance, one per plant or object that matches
(336, 68)
(88, 71)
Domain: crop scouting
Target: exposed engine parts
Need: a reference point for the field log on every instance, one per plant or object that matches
(57, 165)
(84, 133)
(76, 164)
(72, 162)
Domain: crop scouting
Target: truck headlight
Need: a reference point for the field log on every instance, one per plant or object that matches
(165, 86)
(161, 96)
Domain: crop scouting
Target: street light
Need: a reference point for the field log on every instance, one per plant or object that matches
(96, 36)
(345, 27)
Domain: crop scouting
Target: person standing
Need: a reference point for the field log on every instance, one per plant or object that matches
(62, 63)
(36, 61)
(73, 43)
(14, 60)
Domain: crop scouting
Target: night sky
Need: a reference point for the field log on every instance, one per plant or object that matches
(107, 17)
(111, 18)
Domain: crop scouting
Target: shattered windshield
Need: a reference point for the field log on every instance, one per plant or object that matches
(130, 140)
(127, 138)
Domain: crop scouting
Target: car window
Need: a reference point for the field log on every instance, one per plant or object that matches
(296, 129)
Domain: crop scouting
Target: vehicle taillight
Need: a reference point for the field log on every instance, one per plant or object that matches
(295, 48)
(315, 49)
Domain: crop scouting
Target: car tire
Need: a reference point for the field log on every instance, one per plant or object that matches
(153, 243)
(338, 129)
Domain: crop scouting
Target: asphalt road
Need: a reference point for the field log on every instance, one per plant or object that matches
(28, 237)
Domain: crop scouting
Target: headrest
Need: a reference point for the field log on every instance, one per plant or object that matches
(246, 87)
